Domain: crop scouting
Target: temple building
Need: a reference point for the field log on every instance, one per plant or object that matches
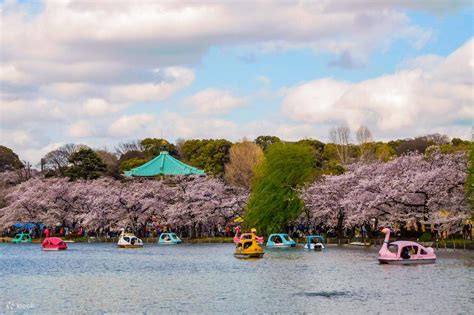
(163, 164)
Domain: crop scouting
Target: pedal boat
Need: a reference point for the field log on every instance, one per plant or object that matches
(129, 240)
(314, 242)
(169, 239)
(280, 240)
(22, 238)
(404, 252)
(248, 248)
(246, 236)
(53, 244)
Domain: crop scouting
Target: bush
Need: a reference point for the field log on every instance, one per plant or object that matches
(425, 237)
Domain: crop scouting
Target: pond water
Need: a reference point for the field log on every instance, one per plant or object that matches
(100, 278)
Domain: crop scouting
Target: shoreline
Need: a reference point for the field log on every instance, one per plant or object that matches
(456, 244)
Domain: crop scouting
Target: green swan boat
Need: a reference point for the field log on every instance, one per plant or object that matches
(21, 238)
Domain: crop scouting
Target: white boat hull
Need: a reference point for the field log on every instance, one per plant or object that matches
(129, 241)
(312, 246)
(407, 261)
(280, 246)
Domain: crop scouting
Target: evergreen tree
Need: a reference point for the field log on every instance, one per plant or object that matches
(8, 159)
(86, 164)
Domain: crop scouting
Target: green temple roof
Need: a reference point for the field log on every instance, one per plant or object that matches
(163, 164)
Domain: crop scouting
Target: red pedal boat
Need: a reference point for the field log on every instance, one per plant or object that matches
(53, 244)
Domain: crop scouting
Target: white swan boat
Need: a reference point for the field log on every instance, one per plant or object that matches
(129, 240)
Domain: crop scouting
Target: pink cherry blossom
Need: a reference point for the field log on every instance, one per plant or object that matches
(427, 189)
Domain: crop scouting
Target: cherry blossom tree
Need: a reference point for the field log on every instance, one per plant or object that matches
(36, 200)
(110, 204)
(205, 203)
(411, 188)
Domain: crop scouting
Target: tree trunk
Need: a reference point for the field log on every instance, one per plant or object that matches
(340, 221)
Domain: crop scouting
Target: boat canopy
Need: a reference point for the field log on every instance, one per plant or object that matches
(312, 237)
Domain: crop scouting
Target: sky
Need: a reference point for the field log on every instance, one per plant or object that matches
(104, 72)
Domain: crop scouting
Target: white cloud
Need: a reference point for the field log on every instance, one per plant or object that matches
(213, 102)
(20, 113)
(129, 125)
(426, 63)
(72, 68)
(264, 80)
(175, 126)
(19, 137)
(65, 89)
(97, 41)
(11, 74)
(314, 101)
(81, 129)
(417, 98)
(174, 79)
(99, 107)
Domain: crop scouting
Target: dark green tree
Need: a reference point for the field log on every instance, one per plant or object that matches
(266, 141)
(208, 154)
(8, 159)
(132, 154)
(56, 162)
(127, 165)
(85, 164)
(152, 147)
(274, 202)
(318, 147)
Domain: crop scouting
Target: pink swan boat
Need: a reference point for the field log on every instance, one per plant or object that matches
(53, 244)
(404, 252)
(246, 236)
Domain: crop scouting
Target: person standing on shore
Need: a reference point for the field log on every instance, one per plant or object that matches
(46, 233)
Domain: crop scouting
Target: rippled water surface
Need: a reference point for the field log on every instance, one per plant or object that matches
(100, 278)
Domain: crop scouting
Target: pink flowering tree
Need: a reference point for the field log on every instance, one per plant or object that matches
(412, 188)
(204, 204)
(36, 201)
(141, 201)
(106, 203)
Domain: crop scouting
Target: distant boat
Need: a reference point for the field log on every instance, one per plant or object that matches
(246, 236)
(280, 240)
(248, 248)
(53, 244)
(314, 242)
(129, 240)
(169, 239)
(22, 238)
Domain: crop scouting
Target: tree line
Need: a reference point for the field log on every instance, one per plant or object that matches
(305, 182)
(213, 155)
